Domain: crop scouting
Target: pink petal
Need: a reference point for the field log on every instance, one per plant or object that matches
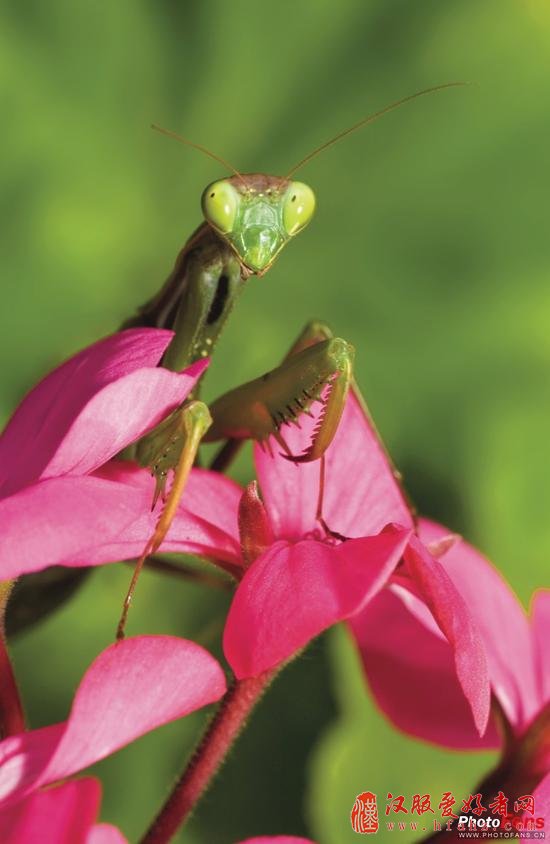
(278, 839)
(289, 490)
(541, 639)
(67, 812)
(452, 614)
(119, 414)
(411, 672)
(105, 833)
(209, 496)
(294, 591)
(131, 688)
(501, 622)
(46, 414)
(23, 757)
(89, 521)
(361, 492)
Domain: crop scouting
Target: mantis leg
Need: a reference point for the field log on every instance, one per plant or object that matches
(317, 367)
(173, 448)
(259, 409)
(315, 332)
(309, 349)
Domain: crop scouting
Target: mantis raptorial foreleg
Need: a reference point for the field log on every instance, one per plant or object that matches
(314, 332)
(258, 410)
(318, 367)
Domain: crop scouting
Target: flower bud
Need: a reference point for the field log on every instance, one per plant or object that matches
(255, 529)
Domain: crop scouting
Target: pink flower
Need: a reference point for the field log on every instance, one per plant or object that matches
(303, 581)
(410, 672)
(58, 507)
(105, 516)
(411, 654)
(68, 812)
(409, 667)
(131, 688)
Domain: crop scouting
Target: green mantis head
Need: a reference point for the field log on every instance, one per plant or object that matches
(257, 215)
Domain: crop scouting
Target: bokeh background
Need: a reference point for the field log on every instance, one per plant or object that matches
(430, 253)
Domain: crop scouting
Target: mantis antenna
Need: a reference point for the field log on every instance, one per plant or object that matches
(205, 150)
(370, 119)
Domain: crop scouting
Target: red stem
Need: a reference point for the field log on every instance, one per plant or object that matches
(219, 737)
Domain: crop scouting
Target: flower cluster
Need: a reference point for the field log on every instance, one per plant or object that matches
(427, 611)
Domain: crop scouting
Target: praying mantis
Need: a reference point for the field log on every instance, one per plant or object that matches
(248, 220)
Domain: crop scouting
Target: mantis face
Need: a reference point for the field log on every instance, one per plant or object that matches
(257, 215)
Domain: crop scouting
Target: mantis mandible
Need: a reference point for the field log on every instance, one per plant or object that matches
(248, 219)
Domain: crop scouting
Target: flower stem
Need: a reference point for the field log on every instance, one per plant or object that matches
(218, 739)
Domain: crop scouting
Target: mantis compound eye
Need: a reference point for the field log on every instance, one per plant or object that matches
(298, 207)
(219, 202)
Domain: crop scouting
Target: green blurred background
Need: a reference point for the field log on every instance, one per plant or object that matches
(430, 252)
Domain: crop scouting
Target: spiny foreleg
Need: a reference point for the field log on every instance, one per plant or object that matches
(259, 409)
